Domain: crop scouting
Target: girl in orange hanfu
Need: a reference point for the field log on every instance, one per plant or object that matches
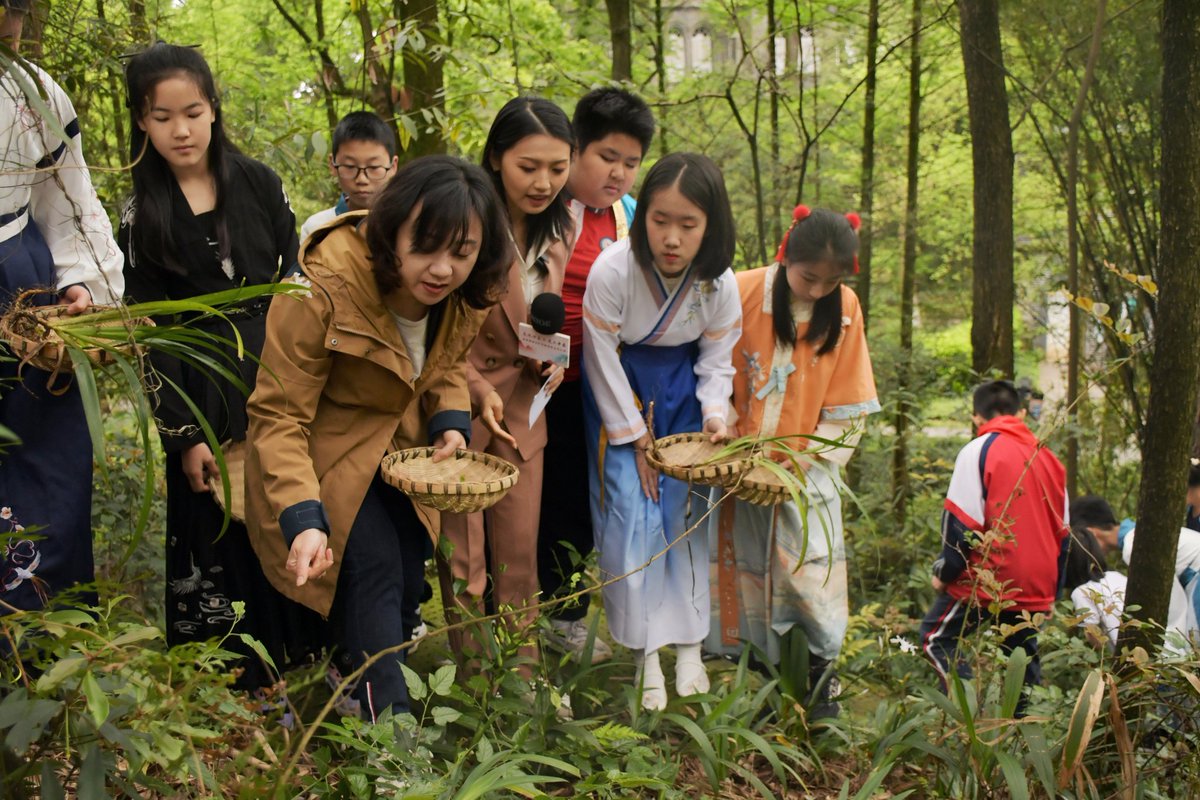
(802, 369)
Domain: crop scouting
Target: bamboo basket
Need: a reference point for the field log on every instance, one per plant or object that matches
(235, 469)
(762, 487)
(469, 481)
(31, 335)
(693, 458)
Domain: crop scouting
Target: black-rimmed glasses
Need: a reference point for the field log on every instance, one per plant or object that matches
(374, 172)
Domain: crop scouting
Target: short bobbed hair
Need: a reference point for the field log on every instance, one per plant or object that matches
(699, 180)
(445, 192)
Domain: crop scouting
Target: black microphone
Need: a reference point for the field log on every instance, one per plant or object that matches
(546, 313)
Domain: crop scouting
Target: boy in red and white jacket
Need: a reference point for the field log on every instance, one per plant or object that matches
(1003, 528)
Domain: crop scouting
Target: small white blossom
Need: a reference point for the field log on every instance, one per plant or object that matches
(904, 644)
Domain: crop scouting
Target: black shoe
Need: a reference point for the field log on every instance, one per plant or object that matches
(824, 688)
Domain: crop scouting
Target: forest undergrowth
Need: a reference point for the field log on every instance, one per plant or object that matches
(102, 708)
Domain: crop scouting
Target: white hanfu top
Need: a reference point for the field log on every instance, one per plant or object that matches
(45, 177)
(625, 304)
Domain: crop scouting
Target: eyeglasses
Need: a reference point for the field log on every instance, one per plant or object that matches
(374, 172)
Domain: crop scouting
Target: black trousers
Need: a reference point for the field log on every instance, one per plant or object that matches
(379, 593)
(949, 620)
(565, 535)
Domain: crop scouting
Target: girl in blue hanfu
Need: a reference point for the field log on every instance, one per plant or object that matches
(660, 318)
(802, 369)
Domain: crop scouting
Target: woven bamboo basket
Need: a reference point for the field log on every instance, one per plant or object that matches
(235, 468)
(762, 487)
(692, 457)
(469, 481)
(32, 338)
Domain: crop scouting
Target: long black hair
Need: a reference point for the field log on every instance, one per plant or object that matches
(819, 236)
(521, 117)
(152, 177)
(450, 192)
(699, 180)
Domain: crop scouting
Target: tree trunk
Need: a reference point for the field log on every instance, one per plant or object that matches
(776, 165)
(992, 159)
(1176, 367)
(1073, 342)
(867, 187)
(900, 481)
(620, 23)
(660, 69)
(424, 78)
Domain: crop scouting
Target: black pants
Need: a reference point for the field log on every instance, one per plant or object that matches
(565, 533)
(949, 620)
(379, 593)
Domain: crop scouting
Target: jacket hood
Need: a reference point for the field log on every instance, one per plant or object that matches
(1009, 425)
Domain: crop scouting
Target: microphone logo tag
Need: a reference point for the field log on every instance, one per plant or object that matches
(552, 347)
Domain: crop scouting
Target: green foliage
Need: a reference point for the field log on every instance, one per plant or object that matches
(98, 706)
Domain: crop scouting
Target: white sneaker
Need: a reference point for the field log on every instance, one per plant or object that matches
(649, 678)
(571, 636)
(690, 675)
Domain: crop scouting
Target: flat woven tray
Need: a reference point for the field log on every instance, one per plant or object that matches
(235, 466)
(469, 481)
(31, 337)
(692, 457)
(762, 487)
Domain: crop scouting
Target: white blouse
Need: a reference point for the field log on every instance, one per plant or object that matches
(44, 177)
(625, 304)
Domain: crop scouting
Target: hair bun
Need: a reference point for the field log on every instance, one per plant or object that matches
(855, 220)
(801, 212)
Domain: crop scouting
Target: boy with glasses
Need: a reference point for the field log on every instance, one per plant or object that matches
(364, 157)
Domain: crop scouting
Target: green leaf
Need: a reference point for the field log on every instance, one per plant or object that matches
(416, 687)
(61, 671)
(1079, 732)
(258, 648)
(139, 634)
(1014, 774)
(97, 700)
(91, 775)
(442, 681)
(484, 750)
(443, 716)
(1014, 681)
(319, 145)
(50, 788)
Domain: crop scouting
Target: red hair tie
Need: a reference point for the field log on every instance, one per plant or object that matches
(855, 223)
(800, 213)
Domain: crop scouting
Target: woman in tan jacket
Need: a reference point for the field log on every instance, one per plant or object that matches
(372, 358)
(528, 155)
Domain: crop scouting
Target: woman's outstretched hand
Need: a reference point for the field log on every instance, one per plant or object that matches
(446, 443)
(310, 555)
(491, 414)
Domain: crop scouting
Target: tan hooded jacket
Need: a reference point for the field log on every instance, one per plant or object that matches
(336, 393)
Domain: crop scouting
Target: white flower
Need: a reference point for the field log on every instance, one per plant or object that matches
(227, 267)
(904, 644)
(301, 280)
(5, 513)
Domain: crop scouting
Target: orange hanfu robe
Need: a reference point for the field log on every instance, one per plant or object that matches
(776, 567)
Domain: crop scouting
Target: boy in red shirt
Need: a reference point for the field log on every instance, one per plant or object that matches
(1003, 528)
(613, 131)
